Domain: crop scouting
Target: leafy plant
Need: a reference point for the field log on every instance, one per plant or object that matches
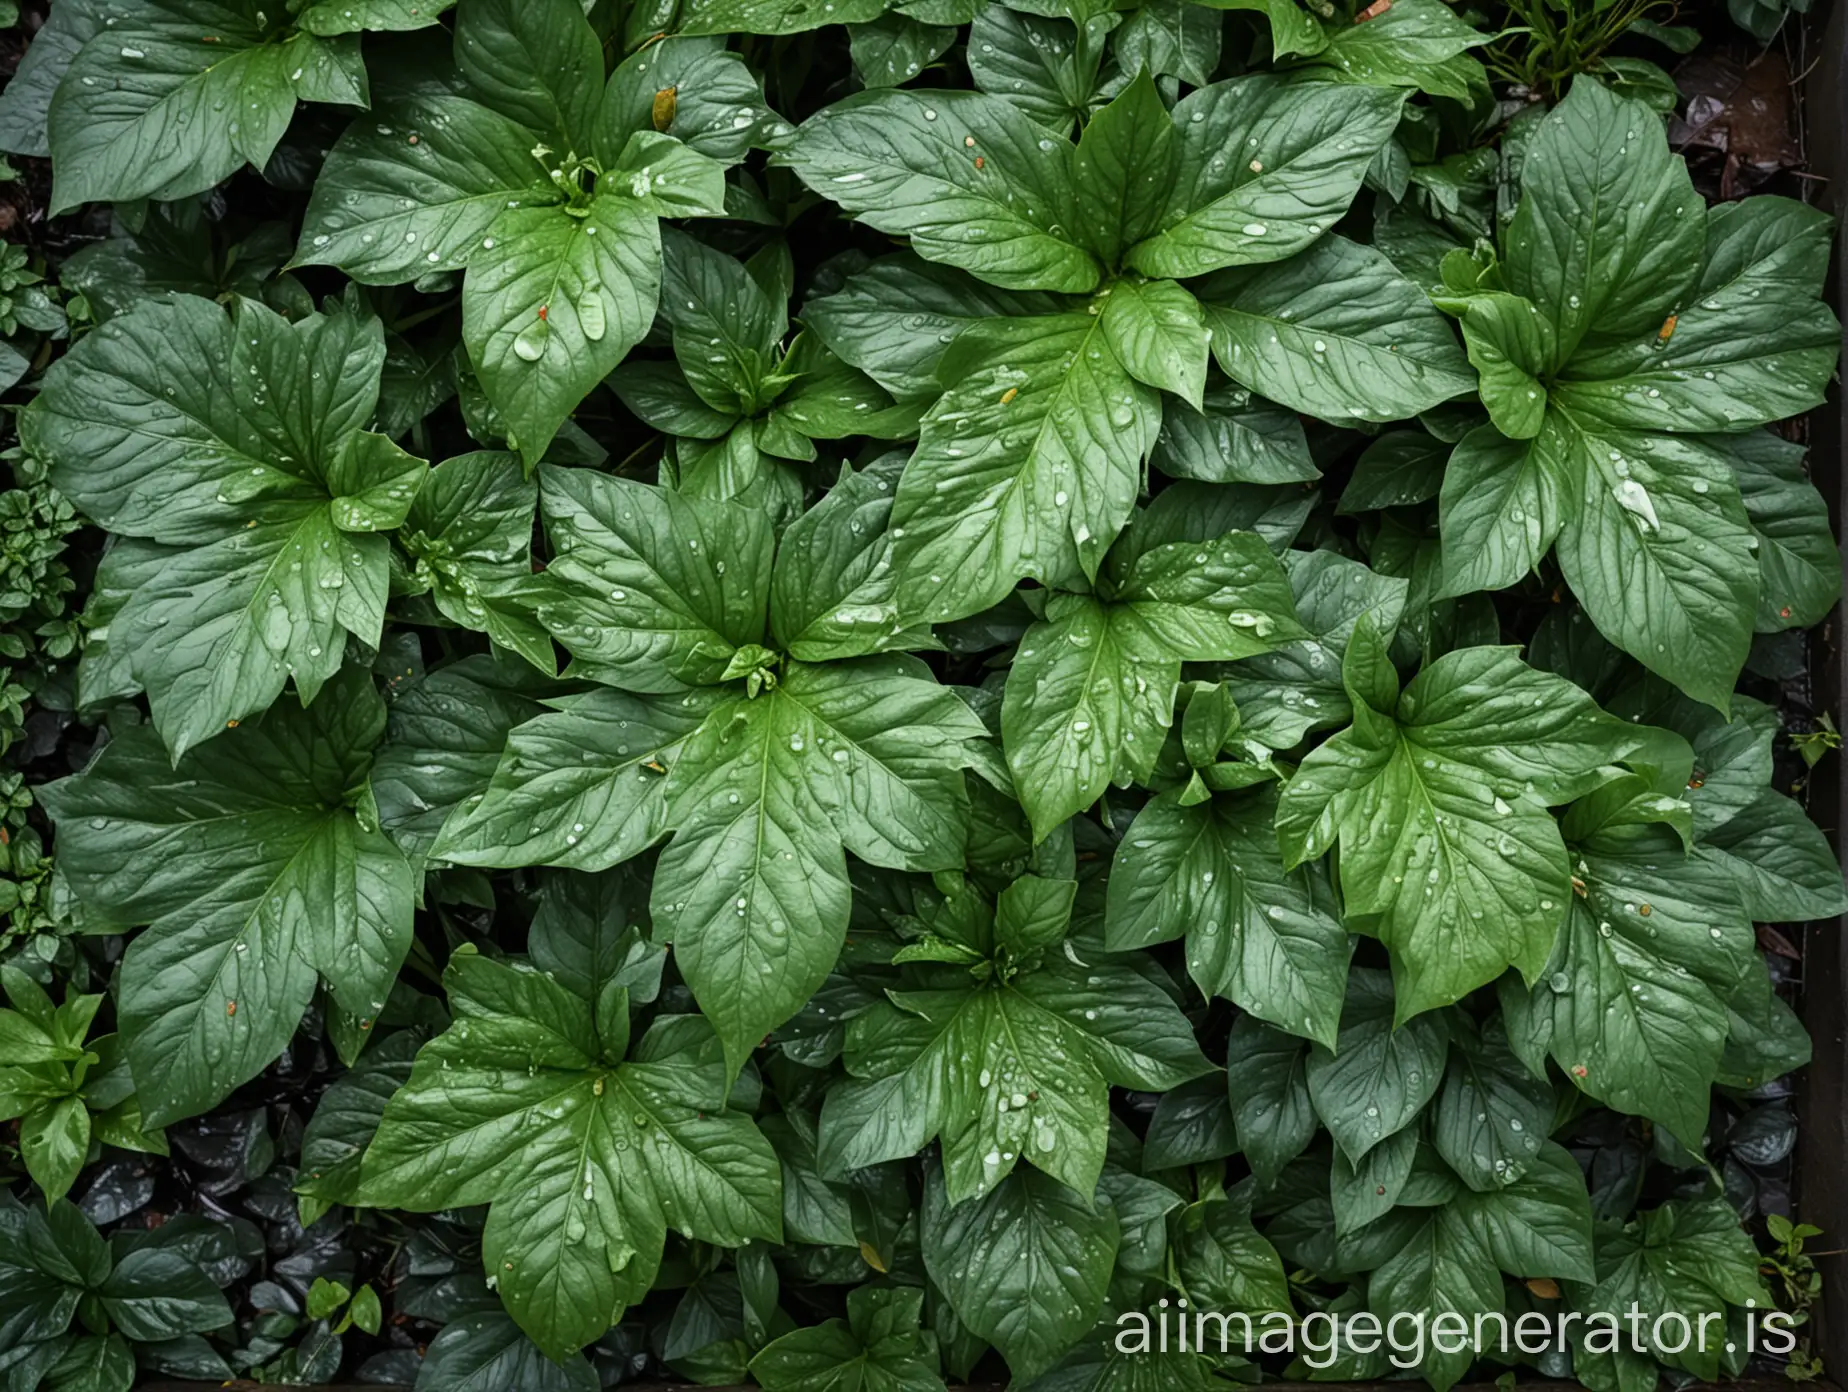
(65, 1092)
(131, 1290)
(727, 648)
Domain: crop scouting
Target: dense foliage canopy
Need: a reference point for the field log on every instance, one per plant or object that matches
(872, 686)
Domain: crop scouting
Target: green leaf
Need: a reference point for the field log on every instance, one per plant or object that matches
(580, 786)
(1171, 38)
(1266, 166)
(329, 17)
(1538, 1224)
(139, 112)
(537, 62)
(1444, 1268)
(1268, 939)
(1632, 1004)
(1191, 1126)
(555, 303)
(892, 49)
(1001, 1072)
(235, 442)
(877, 1348)
(1509, 344)
(1233, 439)
(467, 163)
(1690, 1256)
(1156, 331)
(470, 529)
(894, 319)
(1447, 846)
(1492, 1114)
(1376, 1079)
(54, 1141)
(1335, 332)
(833, 593)
(650, 588)
(161, 1294)
(1027, 466)
(1607, 238)
(1224, 1264)
(753, 890)
(1266, 1078)
(904, 162)
(253, 871)
(1122, 169)
(1026, 1267)
(586, 1162)
(487, 1349)
(347, 1116)
(1283, 695)
(1779, 861)
(1751, 341)
(774, 16)
(1046, 63)
(1799, 564)
(1684, 611)
(1415, 43)
(443, 741)
(718, 102)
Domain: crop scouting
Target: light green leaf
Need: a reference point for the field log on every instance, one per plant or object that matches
(1156, 331)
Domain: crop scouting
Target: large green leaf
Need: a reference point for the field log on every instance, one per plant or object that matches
(555, 298)
(969, 179)
(1025, 1267)
(1027, 466)
(1091, 691)
(1267, 939)
(236, 442)
(1335, 332)
(587, 1160)
(753, 890)
(1607, 238)
(1633, 1002)
(139, 113)
(1448, 851)
(1266, 166)
(253, 871)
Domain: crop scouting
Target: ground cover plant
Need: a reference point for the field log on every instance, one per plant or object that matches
(848, 695)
